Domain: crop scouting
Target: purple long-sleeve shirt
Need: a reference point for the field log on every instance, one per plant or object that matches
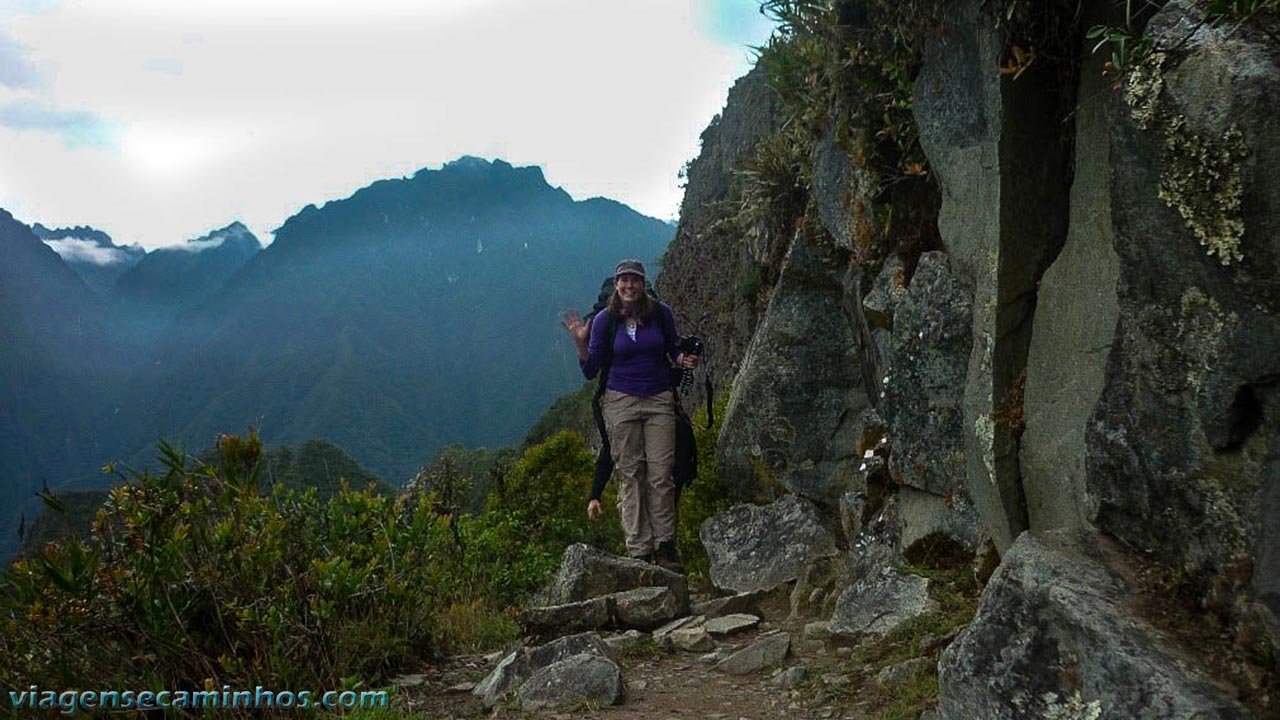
(641, 366)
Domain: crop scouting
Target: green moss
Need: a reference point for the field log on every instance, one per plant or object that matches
(912, 697)
(645, 649)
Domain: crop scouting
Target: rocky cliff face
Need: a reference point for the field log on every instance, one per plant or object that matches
(707, 270)
(1182, 445)
(1078, 371)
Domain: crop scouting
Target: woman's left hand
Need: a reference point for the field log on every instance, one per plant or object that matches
(687, 361)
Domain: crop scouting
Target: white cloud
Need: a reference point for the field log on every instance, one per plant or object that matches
(249, 109)
(73, 249)
(194, 246)
(15, 70)
(75, 127)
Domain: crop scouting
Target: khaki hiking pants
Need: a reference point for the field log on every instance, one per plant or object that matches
(642, 436)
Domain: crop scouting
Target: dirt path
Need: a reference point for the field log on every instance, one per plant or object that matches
(660, 685)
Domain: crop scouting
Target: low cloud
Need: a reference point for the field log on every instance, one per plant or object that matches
(16, 71)
(86, 251)
(77, 127)
(195, 246)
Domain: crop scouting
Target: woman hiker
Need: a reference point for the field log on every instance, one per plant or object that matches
(639, 408)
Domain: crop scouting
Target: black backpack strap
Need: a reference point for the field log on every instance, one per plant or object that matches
(666, 341)
(610, 330)
(711, 413)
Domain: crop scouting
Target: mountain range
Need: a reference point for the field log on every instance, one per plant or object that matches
(419, 312)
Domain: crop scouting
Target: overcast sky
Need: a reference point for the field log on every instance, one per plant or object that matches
(159, 120)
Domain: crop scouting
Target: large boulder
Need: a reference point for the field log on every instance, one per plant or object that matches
(793, 414)
(756, 547)
(842, 191)
(924, 515)
(1182, 448)
(595, 589)
(1055, 637)
(888, 290)
(584, 679)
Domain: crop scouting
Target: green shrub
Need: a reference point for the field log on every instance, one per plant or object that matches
(195, 578)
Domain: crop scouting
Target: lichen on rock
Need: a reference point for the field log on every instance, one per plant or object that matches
(1072, 708)
(1203, 180)
(1143, 89)
(1201, 175)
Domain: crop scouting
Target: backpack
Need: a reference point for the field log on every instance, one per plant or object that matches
(686, 460)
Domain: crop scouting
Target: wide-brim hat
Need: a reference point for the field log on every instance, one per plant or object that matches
(629, 267)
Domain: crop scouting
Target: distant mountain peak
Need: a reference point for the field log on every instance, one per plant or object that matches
(236, 234)
(83, 236)
(472, 161)
(173, 278)
(461, 189)
(90, 252)
(472, 166)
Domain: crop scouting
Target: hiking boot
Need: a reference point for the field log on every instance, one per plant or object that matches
(645, 558)
(667, 558)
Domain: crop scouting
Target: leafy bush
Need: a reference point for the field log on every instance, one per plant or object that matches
(537, 510)
(194, 577)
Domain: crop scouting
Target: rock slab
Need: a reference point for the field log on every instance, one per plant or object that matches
(730, 624)
(646, 608)
(574, 617)
(693, 639)
(747, 603)
(1181, 447)
(765, 652)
